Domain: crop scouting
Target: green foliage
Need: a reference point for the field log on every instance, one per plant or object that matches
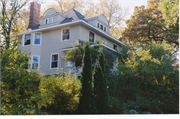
(18, 85)
(147, 24)
(170, 9)
(59, 94)
(76, 54)
(150, 72)
(100, 86)
(85, 103)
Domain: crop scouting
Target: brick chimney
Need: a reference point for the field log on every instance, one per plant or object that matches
(34, 14)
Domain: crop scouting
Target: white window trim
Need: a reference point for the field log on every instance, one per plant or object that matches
(34, 38)
(38, 60)
(62, 34)
(57, 60)
(24, 39)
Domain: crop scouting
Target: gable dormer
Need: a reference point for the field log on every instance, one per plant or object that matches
(51, 17)
(99, 21)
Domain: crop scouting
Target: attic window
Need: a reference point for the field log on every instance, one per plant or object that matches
(54, 19)
(98, 25)
(46, 21)
(104, 28)
(101, 27)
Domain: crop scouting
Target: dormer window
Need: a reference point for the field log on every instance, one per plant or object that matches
(105, 29)
(101, 27)
(50, 20)
(54, 19)
(46, 21)
(98, 25)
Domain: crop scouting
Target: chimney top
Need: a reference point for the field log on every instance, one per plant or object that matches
(34, 14)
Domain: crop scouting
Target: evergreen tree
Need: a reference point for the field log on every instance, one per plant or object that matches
(100, 86)
(85, 102)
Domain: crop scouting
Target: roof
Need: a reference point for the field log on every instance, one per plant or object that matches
(88, 18)
(72, 15)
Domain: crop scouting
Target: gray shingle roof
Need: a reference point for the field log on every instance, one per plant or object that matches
(75, 15)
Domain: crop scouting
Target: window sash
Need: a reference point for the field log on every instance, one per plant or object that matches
(101, 27)
(91, 36)
(50, 20)
(35, 62)
(54, 61)
(27, 39)
(65, 35)
(54, 19)
(37, 38)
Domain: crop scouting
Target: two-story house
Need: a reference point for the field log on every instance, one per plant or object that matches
(48, 41)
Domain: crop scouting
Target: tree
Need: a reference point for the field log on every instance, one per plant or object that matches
(9, 14)
(75, 54)
(150, 72)
(65, 5)
(170, 10)
(147, 24)
(100, 86)
(85, 103)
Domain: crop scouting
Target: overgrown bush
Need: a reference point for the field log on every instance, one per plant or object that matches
(18, 85)
(59, 94)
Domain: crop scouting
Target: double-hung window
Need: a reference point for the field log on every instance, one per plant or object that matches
(35, 62)
(50, 20)
(65, 34)
(54, 19)
(101, 27)
(91, 36)
(37, 39)
(27, 39)
(104, 28)
(54, 61)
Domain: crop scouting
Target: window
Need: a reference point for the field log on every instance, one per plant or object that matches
(101, 27)
(115, 47)
(27, 39)
(35, 62)
(54, 19)
(37, 38)
(65, 34)
(104, 28)
(91, 36)
(46, 21)
(50, 20)
(98, 25)
(54, 61)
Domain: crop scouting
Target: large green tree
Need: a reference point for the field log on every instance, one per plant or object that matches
(147, 24)
(85, 101)
(150, 72)
(100, 86)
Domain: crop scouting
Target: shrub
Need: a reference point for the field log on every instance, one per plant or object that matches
(59, 94)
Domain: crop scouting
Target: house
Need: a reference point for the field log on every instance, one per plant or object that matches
(48, 41)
